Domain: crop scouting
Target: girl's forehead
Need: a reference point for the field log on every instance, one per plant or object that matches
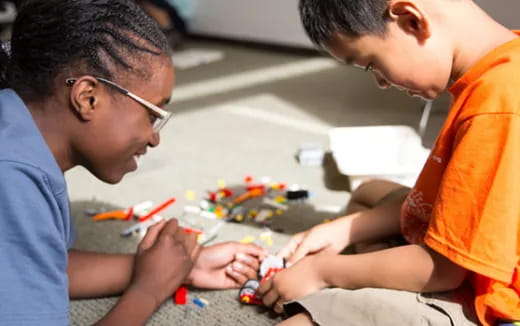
(156, 85)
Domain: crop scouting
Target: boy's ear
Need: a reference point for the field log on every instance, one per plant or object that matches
(84, 97)
(411, 17)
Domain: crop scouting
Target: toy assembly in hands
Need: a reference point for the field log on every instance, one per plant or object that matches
(257, 202)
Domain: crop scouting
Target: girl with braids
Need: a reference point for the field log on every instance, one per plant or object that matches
(66, 102)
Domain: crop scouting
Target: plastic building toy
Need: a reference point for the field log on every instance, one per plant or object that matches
(136, 210)
(217, 196)
(311, 154)
(139, 227)
(297, 194)
(118, 215)
(180, 296)
(157, 209)
(247, 293)
(270, 266)
(199, 302)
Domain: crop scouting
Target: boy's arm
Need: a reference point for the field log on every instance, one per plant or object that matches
(376, 223)
(372, 224)
(96, 274)
(412, 268)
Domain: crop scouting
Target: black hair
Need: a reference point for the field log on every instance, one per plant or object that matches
(321, 19)
(95, 37)
(5, 53)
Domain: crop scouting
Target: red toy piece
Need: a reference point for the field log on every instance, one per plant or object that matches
(180, 296)
(157, 209)
(253, 187)
(129, 214)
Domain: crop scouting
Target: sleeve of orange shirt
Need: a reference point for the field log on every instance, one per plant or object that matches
(475, 220)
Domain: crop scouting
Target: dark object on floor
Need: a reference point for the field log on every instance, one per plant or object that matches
(297, 194)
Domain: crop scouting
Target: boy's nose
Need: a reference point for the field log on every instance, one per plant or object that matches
(382, 82)
(154, 140)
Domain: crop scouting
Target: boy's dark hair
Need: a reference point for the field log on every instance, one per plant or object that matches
(81, 36)
(323, 18)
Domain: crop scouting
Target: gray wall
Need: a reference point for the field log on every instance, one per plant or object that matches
(505, 11)
(277, 21)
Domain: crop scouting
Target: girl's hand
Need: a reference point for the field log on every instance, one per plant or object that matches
(226, 265)
(164, 258)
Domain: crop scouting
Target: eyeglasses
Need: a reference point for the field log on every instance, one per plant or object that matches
(161, 116)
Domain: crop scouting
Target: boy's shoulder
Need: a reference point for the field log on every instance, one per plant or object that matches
(495, 83)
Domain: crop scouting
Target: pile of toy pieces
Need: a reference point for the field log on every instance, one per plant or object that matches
(146, 216)
(255, 201)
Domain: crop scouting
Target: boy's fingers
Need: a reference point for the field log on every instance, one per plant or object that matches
(265, 287)
(151, 235)
(302, 251)
(270, 297)
(293, 244)
(278, 306)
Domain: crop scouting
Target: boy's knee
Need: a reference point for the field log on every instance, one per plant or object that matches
(371, 191)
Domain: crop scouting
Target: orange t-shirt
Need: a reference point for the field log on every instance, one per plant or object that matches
(466, 202)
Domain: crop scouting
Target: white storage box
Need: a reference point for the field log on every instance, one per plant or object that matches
(390, 152)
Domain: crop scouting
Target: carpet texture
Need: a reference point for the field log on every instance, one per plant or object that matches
(224, 308)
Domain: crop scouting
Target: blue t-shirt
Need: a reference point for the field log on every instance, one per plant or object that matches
(35, 223)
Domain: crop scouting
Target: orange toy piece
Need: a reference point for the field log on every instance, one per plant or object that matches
(257, 192)
(118, 215)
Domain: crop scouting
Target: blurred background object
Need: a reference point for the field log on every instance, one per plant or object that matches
(172, 16)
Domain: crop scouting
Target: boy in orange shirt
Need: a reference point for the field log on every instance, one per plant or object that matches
(460, 263)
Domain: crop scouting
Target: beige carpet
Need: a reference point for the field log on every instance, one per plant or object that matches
(224, 308)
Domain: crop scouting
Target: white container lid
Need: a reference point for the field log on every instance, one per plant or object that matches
(377, 150)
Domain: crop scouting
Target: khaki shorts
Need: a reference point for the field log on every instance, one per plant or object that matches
(367, 307)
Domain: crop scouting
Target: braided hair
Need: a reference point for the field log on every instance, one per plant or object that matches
(97, 37)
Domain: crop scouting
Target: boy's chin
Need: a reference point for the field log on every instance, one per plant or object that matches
(425, 96)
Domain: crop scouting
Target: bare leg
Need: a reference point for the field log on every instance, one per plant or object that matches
(301, 319)
(368, 195)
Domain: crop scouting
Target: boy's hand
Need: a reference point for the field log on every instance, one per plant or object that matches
(301, 279)
(164, 258)
(226, 265)
(330, 237)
